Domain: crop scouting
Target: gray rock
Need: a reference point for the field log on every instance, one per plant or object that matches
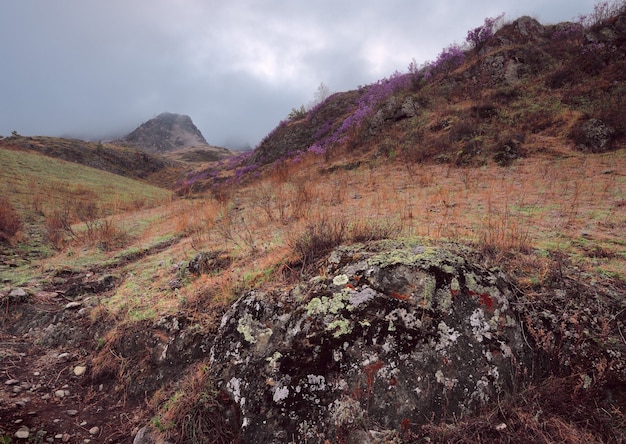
(402, 334)
(594, 136)
(18, 293)
(146, 435)
(22, 433)
(73, 305)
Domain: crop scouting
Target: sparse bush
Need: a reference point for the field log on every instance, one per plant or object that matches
(366, 231)
(199, 412)
(58, 227)
(297, 113)
(478, 36)
(10, 221)
(317, 239)
(602, 11)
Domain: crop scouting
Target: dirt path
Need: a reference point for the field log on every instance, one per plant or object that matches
(47, 391)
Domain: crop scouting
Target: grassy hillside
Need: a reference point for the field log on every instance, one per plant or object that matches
(49, 195)
(124, 161)
(513, 153)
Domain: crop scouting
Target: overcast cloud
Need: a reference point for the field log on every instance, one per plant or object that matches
(98, 69)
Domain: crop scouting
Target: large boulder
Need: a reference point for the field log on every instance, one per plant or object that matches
(391, 336)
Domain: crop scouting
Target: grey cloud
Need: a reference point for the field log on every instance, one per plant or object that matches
(96, 69)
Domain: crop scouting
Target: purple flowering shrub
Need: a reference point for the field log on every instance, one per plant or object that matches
(568, 31)
(370, 97)
(478, 36)
(602, 11)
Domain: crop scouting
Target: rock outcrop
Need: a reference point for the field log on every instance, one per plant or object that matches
(393, 335)
(166, 132)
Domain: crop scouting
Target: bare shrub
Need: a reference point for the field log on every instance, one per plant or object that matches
(317, 239)
(321, 237)
(10, 221)
(58, 227)
(365, 230)
(199, 412)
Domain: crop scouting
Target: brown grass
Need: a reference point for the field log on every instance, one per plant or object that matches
(10, 221)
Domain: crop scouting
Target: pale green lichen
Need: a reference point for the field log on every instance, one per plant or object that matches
(325, 304)
(340, 327)
(444, 300)
(336, 303)
(430, 287)
(244, 326)
(253, 334)
(340, 280)
(315, 307)
(273, 360)
(454, 285)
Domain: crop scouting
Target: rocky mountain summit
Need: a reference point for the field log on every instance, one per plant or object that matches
(165, 133)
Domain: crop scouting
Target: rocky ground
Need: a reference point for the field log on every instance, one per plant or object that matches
(48, 392)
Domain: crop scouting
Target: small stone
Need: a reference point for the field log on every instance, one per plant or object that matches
(63, 356)
(58, 436)
(36, 374)
(17, 389)
(22, 433)
(71, 412)
(45, 397)
(18, 421)
(80, 370)
(18, 293)
(46, 294)
(59, 393)
(94, 431)
(73, 305)
(66, 437)
(12, 382)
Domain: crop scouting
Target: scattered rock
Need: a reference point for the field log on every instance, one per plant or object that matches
(397, 333)
(18, 293)
(94, 431)
(146, 435)
(71, 412)
(12, 382)
(175, 284)
(73, 305)
(80, 370)
(209, 262)
(22, 433)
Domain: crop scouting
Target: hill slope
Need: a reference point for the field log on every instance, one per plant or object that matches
(119, 334)
(123, 161)
(493, 102)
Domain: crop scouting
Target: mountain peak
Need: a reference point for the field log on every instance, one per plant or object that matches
(166, 132)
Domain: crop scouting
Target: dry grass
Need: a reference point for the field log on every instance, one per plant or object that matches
(555, 202)
(10, 221)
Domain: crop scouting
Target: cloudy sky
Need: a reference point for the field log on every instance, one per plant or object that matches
(98, 69)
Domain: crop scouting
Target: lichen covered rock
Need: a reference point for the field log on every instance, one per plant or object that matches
(392, 336)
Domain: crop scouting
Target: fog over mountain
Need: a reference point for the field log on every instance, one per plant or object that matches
(98, 70)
